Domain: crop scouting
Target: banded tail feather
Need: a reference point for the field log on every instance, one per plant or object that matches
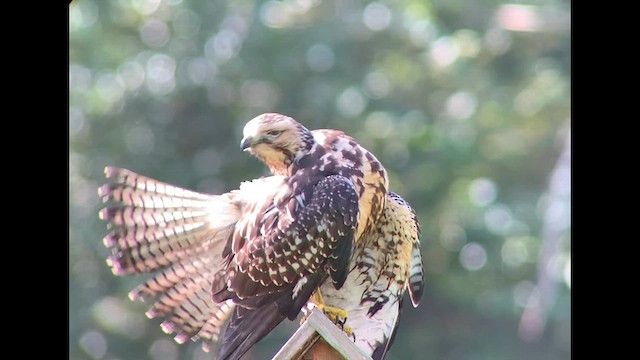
(416, 275)
(178, 235)
(154, 224)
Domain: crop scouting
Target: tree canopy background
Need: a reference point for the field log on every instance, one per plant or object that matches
(466, 103)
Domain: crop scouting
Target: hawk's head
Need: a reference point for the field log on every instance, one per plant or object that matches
(277, 140)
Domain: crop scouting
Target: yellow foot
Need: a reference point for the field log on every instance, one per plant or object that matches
(337, 316)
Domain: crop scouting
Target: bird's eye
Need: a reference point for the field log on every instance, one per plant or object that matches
(274, 132)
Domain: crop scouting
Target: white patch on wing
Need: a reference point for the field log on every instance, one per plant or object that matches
(220, 213)
(298, 287)
(319, 137)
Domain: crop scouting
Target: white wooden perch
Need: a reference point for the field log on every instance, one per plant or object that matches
(319, 338)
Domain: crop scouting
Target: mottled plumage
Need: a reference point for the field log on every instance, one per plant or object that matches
(284, 249)
(386, 263)
(268, 245)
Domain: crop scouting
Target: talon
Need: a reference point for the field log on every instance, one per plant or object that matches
(336, 315)
(347, 330)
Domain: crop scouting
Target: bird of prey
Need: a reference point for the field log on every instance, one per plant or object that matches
(263, 249)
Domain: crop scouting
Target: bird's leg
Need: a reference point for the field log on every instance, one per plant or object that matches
(336, 315)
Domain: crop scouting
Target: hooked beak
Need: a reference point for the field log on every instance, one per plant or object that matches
(246, 143)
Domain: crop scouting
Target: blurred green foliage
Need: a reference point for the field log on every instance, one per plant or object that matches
(466, 103)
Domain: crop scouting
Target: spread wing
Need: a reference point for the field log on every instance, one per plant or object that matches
(143, 213)
(178, 235)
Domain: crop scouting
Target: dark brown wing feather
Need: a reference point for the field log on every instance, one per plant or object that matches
(273, 274)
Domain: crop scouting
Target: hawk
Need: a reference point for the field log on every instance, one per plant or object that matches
(268, 245)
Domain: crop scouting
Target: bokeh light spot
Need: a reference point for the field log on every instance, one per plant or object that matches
(422, 33)
(79, 78)
(84, 195)
(379, 124)
(444, 52)
(376, 16)
(161, 74)
(473, 256)
(497, 41)
(453, 237)
(518, 17)
(351, 103)
(77, 121)
(514, 252)
(154, 33)
(82, 14)
(274, 14)
(140, 140)
(223, 46)
(498, 219)
(468, 42)
(461, 105)
(482, 192)
(131, 73)
(163, 349)
(94, 344)
(201, 71)
(377, 84)
(112, 314)
(109, 87)
(320, 57)
(146, 7)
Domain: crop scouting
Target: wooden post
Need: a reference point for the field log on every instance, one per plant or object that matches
(319, 339)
